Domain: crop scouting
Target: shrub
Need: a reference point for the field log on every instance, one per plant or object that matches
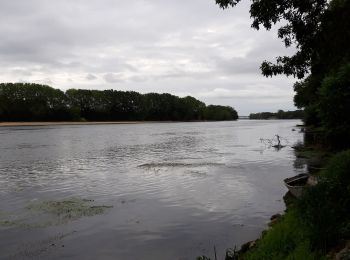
(325, 208)
(334, 106)
(286, 240)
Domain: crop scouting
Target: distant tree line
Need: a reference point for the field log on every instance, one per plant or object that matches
(297, 114)
(34, 102)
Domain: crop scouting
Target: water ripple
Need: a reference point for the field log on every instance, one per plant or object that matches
(171, 185)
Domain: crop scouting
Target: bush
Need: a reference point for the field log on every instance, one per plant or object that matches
(316, 223)
(286, 240)
(325, 208)
(334, 106)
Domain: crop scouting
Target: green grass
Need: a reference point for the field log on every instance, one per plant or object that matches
(317, 223)
(326, 207)
(287, 239)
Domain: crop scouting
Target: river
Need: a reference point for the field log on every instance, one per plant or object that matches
(173, 190)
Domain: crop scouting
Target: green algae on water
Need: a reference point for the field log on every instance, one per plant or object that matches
(51, 213)
(69, 209)
(16, 223)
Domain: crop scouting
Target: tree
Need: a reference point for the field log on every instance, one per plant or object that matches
(302, 29)
(298, 114)
(220, 113)
(33, 102)
(319, 29)
(335, 106)
(192, 109)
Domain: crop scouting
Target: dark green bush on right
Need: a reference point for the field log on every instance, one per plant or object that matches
(334, 106)
(325, 208)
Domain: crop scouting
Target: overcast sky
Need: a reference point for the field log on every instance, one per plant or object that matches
(183, 47)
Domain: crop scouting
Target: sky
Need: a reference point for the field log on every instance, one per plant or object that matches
(183, 47)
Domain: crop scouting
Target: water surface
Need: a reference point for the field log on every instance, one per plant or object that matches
(177, 189)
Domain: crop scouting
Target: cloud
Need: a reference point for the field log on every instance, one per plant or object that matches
(91, 76)
(249, 93)
(181, 47)
(113, 78)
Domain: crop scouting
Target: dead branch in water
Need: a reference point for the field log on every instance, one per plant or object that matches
(275, 142)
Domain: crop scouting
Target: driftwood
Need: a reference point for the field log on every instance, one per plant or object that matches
(275, 142)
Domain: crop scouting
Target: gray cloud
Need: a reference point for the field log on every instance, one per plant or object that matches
(113, 78)
(181, 47)
(91, 76)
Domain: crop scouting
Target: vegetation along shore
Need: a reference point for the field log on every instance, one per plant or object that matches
(48, 123)
(34, 102)
(317, 225)
(280, 114)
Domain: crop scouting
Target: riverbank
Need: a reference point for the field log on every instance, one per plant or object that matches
(48, 123)
(10, 124)
(316, 226)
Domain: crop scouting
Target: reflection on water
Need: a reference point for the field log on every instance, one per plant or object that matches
(176, 189)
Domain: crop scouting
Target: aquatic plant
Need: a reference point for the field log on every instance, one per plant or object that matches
(49, 213)
(69, 209)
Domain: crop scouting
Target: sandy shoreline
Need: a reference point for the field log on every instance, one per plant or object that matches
(8, 124)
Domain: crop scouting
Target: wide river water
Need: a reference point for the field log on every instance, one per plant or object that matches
(177, 189)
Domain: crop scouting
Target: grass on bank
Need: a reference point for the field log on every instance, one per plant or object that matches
(314, 225)
(287, 239)
(325, 208)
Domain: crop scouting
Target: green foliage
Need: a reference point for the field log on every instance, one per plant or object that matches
(315, 223)
(33, 102)
(219, 113)
(325, 93)
(262, 115)
(319, 30)
(301, 28)
(298, 114)
(325, 208)
(287, 239)
(334, 102)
